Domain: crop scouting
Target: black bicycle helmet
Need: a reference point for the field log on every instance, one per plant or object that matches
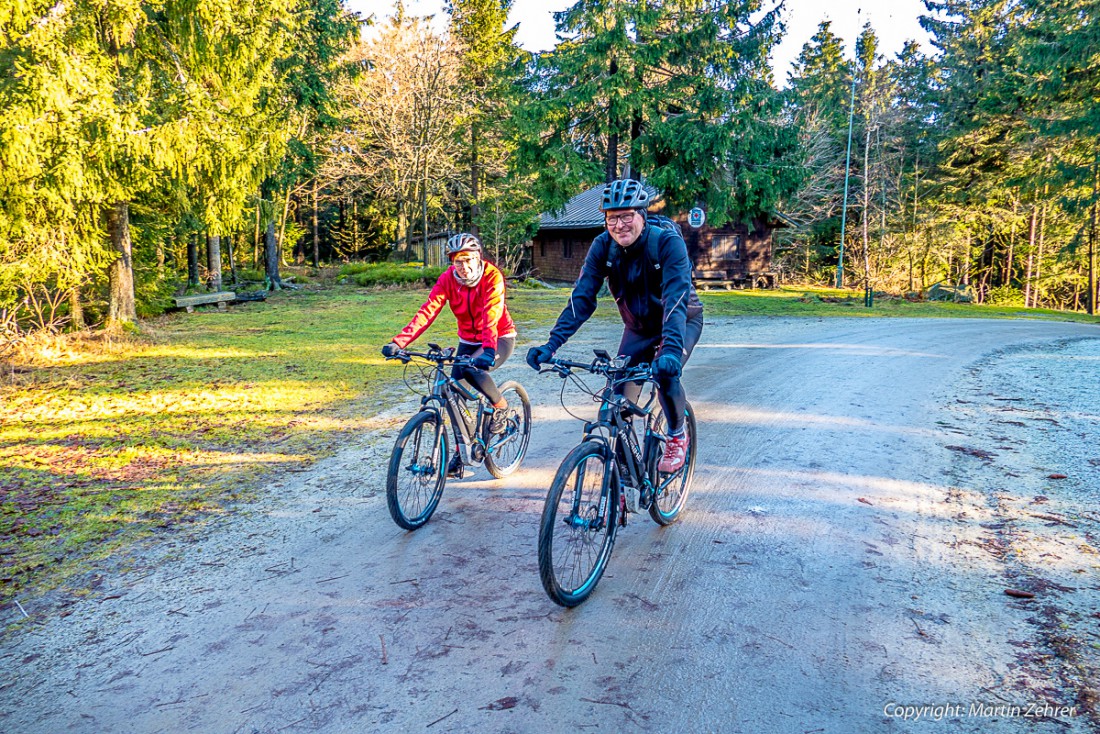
(464, 242)
(626, 193)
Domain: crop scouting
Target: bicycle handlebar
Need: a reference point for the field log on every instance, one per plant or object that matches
(564, 367)
(434, 354)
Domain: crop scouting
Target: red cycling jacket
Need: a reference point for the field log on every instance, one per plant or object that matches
(480, 311)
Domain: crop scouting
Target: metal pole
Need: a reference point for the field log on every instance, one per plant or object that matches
(847, 170)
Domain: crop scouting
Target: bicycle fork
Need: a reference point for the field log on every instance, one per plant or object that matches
(581, 518)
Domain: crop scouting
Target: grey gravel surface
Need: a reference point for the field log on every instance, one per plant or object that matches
(866, 491)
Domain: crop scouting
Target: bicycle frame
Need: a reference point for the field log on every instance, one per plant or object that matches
(613, 472)
(614, 427)
(444, 399)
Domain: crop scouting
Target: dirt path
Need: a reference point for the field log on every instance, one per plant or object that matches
(854, 524)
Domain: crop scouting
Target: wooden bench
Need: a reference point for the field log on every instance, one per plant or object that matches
(222, 298)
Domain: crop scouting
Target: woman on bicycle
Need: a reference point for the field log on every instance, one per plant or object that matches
(474, 289)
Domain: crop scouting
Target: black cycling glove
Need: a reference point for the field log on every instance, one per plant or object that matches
(667, 365)
(537, 356)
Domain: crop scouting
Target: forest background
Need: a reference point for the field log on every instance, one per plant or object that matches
(149, 147)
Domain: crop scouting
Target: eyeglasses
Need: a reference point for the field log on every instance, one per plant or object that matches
(626, 218)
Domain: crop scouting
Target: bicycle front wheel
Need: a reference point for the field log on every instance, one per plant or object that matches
(671, 490)
(418, 470)
(579, 522)
(506, 451)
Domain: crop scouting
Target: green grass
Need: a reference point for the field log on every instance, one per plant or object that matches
(103, 443)
(377, 274)
(830, 302)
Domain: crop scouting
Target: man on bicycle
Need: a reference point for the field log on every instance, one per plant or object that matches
(474, 289)
(661, 312)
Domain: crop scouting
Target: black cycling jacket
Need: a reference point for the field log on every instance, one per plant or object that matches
(651, 301)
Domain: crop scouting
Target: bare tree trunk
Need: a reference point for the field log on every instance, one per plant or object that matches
(612, 164)
(282, 224)
(256, 235)
(475, 174)
(76, 310)
(924, 260)
(1039, 255)
(1009, 265)
(1030, 255)
(122, 307)
(424, 215)
(271, 259)
(916, 182)
(1092, 227)
(986, 265)
(193, 261)
(300, 246)
(404, 228)
(214, 261)
(232, 260)
(316, 230)
(355, 226)
(160, 259)
(964, 269)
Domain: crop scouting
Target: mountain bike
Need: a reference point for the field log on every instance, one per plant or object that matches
(418, 464)
(610, 474)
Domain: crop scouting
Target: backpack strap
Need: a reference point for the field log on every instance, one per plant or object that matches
(651, 252)
(612, 255)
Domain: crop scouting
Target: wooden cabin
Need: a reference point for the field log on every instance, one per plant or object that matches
(734, 255)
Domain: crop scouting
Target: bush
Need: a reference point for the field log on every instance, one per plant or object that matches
(250, 274)
(950, 292)
(1005, 295)
(153, 297)
(375, 274)
(355, 268)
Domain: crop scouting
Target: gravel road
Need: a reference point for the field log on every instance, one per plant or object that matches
(866, 491)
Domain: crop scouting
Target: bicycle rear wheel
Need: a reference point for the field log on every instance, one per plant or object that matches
(506, 451)
(418, 470)
(670, 490)
(579, 522)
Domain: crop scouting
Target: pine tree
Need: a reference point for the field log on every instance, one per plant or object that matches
(821, 79)
(170, 108)
(1061, 70)
(978, 127)
(819, 102)
(679, 89)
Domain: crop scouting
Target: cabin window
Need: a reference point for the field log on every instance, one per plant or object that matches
(725, 247)
(567, 250)
(542, 248)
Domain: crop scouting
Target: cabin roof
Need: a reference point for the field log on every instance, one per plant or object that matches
(582, 211)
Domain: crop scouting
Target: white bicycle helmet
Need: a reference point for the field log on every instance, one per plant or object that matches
(626, 193)
(464, 242)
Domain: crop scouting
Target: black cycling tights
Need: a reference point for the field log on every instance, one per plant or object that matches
(670, 392)
(480, 378)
